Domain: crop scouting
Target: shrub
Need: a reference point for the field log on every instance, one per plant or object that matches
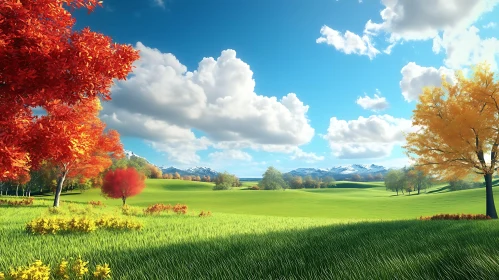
(254, 188)
(129, 210)
(205, 214)
(455, 217)
(55, 210)
(55, 225)
(22, 202)
(157, 208)
(39, 271)
(180, 209)
(96, 203)
(115, 223)
(457, 185)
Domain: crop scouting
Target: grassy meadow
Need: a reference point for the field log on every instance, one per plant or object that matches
(355, 231)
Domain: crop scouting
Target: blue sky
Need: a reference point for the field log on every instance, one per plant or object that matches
(242, 85)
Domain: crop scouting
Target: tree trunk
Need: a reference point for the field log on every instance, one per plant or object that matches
(419, 189)
(17, 190)
(397, 192)
(124, 200)
(58, 190)
(489, 197)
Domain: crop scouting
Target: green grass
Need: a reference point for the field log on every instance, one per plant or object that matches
(292, 234)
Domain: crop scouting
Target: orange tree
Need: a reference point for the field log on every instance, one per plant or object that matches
(43, 59)
(459, 129)
(73, 139)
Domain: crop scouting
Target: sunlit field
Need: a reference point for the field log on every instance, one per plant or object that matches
(340, 233)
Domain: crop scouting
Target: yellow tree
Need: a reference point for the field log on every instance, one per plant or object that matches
(459, 129)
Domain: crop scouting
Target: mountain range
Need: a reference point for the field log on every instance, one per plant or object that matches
(341, 172)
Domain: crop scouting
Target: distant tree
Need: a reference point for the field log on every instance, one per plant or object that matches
(154, 171)
(288, 178)
(356, 178)
(328, 182)
(417, 179)
(272, 180)
(176, 175)
(236, 183)
(123, 183)
(308, 182)
(224, 181)
(370, 177)
(395, 181)
(455, 185)
(378, 177)
(296, 182)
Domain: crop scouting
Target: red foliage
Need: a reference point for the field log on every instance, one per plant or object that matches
(157, 208)
(180, 208)
(123, 183)
(456, 217)
(44, 60)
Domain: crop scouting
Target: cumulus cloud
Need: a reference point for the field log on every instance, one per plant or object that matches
(372, 137)
(306, 157)
(228, 155)
(348, 43)
(424, 19)
(465, 47)
(164, 103)
(376, 103)
(490, 25)
(415, 78)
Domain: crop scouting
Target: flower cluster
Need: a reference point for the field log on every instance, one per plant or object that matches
(180, 208)
(22, 202)
(456, 217)
(115, 223)
(129, 210)
(54, 225)
(204, 214)
(96, 203)
(157, 208)
(39, 271)
(81, 224)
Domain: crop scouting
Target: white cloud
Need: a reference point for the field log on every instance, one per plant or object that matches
(163, 102)
(415, 78)
(490, 25)
(465, 47)
(228, 155)
(371, 137)
(348, 43)
(424, 19)
(376, 103)
(306, 157)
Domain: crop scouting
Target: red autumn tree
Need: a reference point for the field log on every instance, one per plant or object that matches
(73, 140)
(42, 60)
(123, 183)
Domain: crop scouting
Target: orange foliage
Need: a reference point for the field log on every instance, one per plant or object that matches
(180, 208)
(44, 60)
(459, 126)
(123, 183)
(456, 217)
(157, 208)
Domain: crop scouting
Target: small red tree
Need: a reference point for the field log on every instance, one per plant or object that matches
(123, 183)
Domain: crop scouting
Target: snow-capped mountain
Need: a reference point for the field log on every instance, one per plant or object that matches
(342, 172)
(196, 171)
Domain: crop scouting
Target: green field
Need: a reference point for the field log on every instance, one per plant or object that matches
(349, 232)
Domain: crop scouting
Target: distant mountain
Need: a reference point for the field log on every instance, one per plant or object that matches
(342, 172)
(196, 171)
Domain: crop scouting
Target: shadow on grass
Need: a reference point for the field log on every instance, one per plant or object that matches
(386, 250)
(439, 190)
